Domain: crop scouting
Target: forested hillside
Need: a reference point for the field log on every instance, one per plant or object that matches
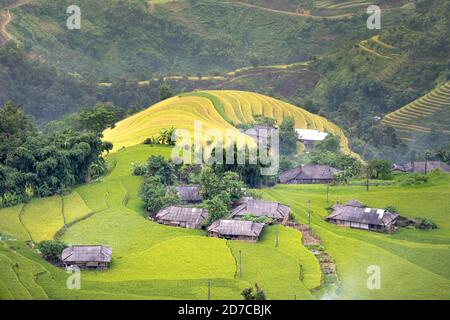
(383, 73)
(137, 38)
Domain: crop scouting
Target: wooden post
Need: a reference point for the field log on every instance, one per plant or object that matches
(209, 290)
(240, 263)
(367, 179)
(309, 212)
(328, 193)
(276, 233)
(426, 163)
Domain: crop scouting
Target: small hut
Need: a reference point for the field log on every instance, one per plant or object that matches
(422, 166)
(261, 135)
(260, 208)
(309, 174)
(310, 137)
(355, 215)
(192, 218)
(87, 257)
(236, 230)
(189, 194)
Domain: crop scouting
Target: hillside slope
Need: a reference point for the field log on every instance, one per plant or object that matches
(216, 109)
(429, 112)
(134, 39)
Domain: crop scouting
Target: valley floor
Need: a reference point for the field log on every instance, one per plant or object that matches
(151, 261)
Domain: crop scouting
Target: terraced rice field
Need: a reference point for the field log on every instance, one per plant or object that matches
(150, 261)
(329, 4)
(216, 110)
(421, 115)
(376, 46)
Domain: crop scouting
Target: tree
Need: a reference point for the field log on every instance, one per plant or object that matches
(209, 183)
(231, 184)
(217, 207)
(165, 92)
(380, 169)
(51, 250)
(99, 118)
(288, 137)
(15, 126)
(159, 166)
(248, 294)
(156, 196)
(331, 143)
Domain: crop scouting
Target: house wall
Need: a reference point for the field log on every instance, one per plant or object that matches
(310, 181)
(232, 237)
(179, 224)
(88, 265)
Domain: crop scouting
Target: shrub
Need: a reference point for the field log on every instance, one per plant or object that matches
(248, 294)
(414, 180)
(51, 250)
(11, 199)
(139, 169)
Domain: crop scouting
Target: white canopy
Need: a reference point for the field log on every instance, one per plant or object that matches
(311, 135)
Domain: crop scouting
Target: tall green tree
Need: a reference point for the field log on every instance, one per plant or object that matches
(288, 137)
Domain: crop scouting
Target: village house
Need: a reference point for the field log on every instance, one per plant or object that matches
(192, 218)
(189, 194)
(422, 166)
(355, 215)
(260, 208)
(261, 135)
(236, 230)
(310, 137)
(87, 257)
(309, 174)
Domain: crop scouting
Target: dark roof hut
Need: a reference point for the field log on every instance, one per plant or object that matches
(192, 218)
(309, 174)
(422, 166)
(236, 230)
(87, 257)
(189, 194)
(260, 208)
(355, 215)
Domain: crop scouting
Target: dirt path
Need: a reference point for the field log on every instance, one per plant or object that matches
(290, 13)
(6, 18)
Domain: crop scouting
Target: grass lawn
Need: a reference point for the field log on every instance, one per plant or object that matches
(10, 223)
(74, 207)
(43, 217)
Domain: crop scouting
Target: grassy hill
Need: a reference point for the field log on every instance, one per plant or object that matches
(216, 109)
(152, 261)
(430, 112)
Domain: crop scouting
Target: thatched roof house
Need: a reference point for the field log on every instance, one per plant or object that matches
(87, 257)
(309, 174)
(192, 218)
(236, 230)
(189, 194)
(355, 215)
(261, 208)
(419, 166)
(260, 134)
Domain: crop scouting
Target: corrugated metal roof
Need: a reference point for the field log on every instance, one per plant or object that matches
(180, 214)
(87, 254)
(261, 208)
(311, 135)
(309, 172)
(237, 228)
(360, 214)
(189, 193)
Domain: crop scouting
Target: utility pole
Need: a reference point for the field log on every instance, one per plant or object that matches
(328, 193)
(367, 179)
(309, 212)
(240, 263)
(276, 233)
(426, 163)
(209, 290)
